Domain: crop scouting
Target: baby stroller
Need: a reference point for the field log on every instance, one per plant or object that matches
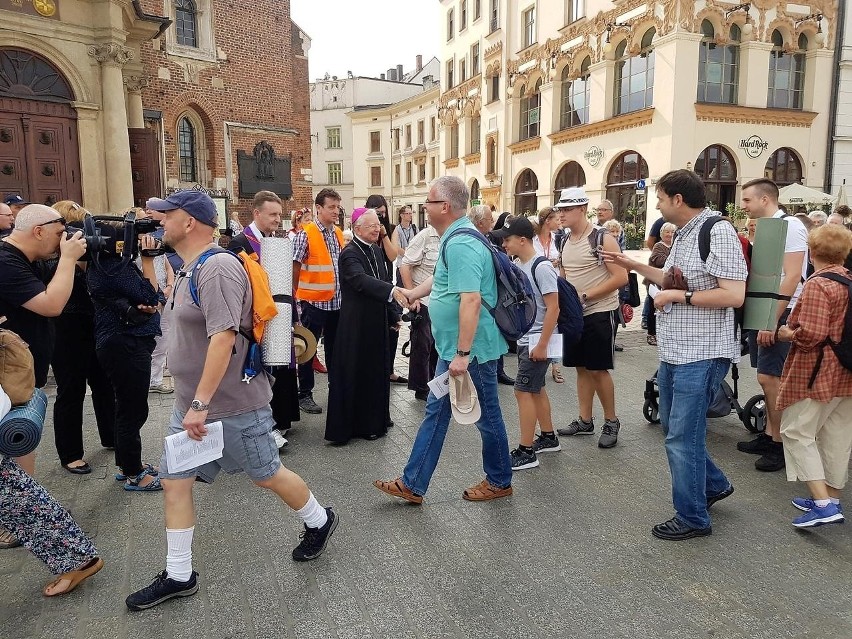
(752, 415)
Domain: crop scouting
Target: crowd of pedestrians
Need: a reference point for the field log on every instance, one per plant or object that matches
(121, 324)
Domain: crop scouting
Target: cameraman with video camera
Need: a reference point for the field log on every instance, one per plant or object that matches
(127, 321)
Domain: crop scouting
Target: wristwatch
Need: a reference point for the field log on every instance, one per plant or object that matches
(687, 297)
(198, 406)
(462, 353)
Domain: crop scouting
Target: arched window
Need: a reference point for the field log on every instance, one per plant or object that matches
(634, 76)
(530, 113)
(784, 167)
(186, 23)
(716, 166)
(786, 74)
(24, 74)
(718, 66)
(187, 151)
(474, 191)
(621, 181)
(571, 174)
(574, 109)
(526, 189)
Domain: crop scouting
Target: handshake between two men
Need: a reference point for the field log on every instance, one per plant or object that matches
(410, 298)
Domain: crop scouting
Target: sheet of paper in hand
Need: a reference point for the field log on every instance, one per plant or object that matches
(440, 386)
(184, 453)
(554, 346)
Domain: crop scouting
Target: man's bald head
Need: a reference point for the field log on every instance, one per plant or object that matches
(34, 214)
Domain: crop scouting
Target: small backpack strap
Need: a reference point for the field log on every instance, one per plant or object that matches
(704, 236)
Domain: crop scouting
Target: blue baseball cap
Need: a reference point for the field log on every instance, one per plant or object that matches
(197, 204)
(12, 200)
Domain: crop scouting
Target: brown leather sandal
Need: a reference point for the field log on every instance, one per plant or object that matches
(484, 491)
(75, 577)
(396, 488)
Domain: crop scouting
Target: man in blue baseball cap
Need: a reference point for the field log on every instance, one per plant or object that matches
(195, 203)
(16, 203)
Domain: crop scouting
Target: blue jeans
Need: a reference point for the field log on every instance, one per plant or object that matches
(430, 438)
(685, 394)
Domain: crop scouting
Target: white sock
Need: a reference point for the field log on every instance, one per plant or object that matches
(312, 513)
(179, 557)
(822, 503)
(834, 500)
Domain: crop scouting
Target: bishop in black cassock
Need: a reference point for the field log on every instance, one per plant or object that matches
(359, 378)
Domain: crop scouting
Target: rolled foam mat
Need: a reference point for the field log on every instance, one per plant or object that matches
(20, 429)
(277, 260)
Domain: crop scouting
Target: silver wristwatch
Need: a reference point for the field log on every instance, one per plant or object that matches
(198, 406)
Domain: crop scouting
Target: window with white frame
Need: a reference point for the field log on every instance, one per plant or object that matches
(575, 9)
(477, 9)
(332, 136)
(530, 113)
(575, 97)
(454, 140)
(335, 173)
(528, 22)
(718, 66)
(450, 67)
(474, 60)
(421, 132)
(462, 70)
(421, 173)
(462, 15)
(186, 23)
(786, 74)
(375, 141)
(192, 35)
(408, 173)
(493, 88)
(475, 134)
(450, 24)
(433, 130)
(494, 22)
(375, 176)
(396, 174)
(187, 151)
(634, 76)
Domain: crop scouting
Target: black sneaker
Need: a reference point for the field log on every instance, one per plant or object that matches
(547, 444)
(609, 433)
(772, 460)
(757, 446)
(161, 590)
(308, 405)
(521, 459)
(314, 540)
(578, 427)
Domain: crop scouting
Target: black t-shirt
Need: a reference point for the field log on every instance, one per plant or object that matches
(21, 281)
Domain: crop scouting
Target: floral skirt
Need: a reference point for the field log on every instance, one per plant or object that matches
(40, 522)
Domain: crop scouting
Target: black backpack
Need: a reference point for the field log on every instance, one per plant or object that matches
(570, 320)
(843, 348)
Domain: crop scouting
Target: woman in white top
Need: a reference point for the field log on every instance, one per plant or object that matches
(545, 245)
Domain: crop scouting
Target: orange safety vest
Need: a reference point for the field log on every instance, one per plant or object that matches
(316, 277)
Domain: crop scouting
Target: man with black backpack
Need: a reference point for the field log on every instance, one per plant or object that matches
(468, 342)
(697, 343)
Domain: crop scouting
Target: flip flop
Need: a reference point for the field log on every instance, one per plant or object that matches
(119, 476)
(8, 540)
(75, 577)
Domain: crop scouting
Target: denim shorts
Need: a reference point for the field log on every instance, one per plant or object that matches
(249, 447)
(531, 375)
(769, 360)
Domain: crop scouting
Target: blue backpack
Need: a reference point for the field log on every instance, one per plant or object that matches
(570, 320)
(515, 310)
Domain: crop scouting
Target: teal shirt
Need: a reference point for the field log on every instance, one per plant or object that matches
(469, 268)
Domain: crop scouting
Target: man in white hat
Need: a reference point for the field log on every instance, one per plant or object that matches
(597, 284)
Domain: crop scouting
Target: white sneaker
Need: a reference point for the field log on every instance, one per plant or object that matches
(280, 440)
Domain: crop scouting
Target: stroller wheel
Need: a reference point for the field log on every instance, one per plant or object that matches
(753, 414)
(651, 411)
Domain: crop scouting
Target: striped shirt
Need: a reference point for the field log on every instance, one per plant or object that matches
(300, 254)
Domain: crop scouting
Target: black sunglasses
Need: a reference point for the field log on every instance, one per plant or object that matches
(60, 220)
(435, 202)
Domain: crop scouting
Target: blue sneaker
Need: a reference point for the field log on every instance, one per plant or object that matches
(817, 516)
(807, 504)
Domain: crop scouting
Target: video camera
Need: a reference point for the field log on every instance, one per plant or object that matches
(115, 236)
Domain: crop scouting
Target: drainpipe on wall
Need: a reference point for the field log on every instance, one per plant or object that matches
(832, 115)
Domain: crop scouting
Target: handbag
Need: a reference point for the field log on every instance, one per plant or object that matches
(17, 370)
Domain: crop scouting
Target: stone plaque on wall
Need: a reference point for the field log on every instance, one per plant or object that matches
(262, 170)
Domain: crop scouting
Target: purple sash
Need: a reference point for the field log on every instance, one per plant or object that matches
(253, 241)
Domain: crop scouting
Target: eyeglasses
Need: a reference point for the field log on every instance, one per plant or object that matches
(371, 227)
(598, 210)
(60, 220)
(435, 202)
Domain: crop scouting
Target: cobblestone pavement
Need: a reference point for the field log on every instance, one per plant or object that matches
(568, 555)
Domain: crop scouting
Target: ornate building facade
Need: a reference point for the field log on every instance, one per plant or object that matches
(611, 95)
(109, 102)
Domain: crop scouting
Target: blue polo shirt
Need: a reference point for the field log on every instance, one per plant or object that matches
(468, 268)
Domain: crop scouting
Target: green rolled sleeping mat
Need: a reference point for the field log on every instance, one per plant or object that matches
(764, 278)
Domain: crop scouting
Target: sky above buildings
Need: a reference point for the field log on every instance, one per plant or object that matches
(367, 37)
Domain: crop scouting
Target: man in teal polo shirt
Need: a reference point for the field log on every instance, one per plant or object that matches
(467, 340)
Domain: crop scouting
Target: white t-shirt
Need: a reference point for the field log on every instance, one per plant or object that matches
(797, 241)
(5, 403)
(552, 249)
(543, 282)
